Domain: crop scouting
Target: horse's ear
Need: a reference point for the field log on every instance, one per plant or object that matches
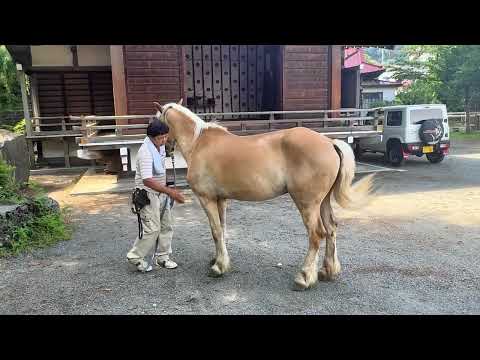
(180, 101)
(158, 106)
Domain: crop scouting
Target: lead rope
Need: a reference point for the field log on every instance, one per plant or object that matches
(140, 225)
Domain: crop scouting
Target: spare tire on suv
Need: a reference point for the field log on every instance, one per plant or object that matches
(431, 131)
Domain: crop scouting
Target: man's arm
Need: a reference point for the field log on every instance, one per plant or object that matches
(155, 185)
(147, 178)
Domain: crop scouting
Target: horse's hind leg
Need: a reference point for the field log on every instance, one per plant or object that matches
(308, 276)
(222, 260)
(331, 264)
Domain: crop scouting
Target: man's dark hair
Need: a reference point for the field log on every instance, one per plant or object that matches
(156, 127)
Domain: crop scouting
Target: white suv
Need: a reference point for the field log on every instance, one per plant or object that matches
(410, 130)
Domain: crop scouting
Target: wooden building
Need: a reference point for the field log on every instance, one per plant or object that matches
(125, 79)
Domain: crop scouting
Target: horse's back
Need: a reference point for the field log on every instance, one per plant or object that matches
(263, 166)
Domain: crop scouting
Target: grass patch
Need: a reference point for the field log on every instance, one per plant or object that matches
(464, 136)
(17, 128)
(9, 189)
(38, 225)
(38, 232)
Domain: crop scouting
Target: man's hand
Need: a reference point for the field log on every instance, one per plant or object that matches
(176, 195)
(173, 193)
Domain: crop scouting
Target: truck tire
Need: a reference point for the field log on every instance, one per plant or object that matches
(395, 154)
(357, 151)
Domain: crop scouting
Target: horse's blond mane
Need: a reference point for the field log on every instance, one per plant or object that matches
(200, 124)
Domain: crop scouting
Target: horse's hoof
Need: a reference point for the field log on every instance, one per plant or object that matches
(324, 276)
(300, 282)
(299, 287)
(213, 261)
(215, 272)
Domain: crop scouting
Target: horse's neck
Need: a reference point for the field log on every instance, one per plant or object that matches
(185, 141)
(185, 147)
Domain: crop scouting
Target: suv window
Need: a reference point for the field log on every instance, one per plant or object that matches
(424, 114)
(394, 118)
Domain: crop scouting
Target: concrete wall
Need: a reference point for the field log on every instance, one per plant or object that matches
(94, 55)
(51, 55)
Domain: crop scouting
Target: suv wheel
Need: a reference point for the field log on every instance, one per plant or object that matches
(395, 154)
(435, 158)
(357, 151)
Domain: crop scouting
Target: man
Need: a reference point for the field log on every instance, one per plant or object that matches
(156, 217)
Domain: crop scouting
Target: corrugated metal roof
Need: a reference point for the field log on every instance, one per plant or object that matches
(356, 57)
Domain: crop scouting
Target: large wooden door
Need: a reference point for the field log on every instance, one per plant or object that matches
(224, 78)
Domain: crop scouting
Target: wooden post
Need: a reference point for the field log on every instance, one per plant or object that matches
(84, 127)
(34, 98)
(65, 145)
(335, 76)
(26, 113)
(117, 53)
(66, 152)
(467, 121)
(119, 82)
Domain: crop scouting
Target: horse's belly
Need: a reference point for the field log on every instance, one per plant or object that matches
(256, 182)
(252, 188)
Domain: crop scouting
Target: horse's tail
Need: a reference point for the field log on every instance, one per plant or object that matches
(347, 195)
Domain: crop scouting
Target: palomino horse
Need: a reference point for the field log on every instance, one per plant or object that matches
(309, 166)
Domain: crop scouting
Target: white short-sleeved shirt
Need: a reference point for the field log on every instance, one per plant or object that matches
(144, 169)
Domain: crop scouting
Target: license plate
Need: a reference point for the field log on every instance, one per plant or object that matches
(427, 149)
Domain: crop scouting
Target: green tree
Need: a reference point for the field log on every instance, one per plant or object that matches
(10, 94)
(419, 92)
(449, 74)
(413, 63)
(458, 70)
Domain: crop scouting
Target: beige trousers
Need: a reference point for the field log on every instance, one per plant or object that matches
(154, 228)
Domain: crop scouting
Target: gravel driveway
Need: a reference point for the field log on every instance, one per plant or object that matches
(414, 250)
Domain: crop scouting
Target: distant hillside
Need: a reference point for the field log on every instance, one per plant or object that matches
(383, 56)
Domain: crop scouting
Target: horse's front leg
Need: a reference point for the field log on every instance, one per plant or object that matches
(222, 212)
(221, 263)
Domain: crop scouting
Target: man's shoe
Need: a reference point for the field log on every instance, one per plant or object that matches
(141, 265)
(167, 264)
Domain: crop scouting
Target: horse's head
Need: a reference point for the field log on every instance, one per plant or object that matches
(160, 115)
(183, 123)
(180, 120)
(162, 110)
